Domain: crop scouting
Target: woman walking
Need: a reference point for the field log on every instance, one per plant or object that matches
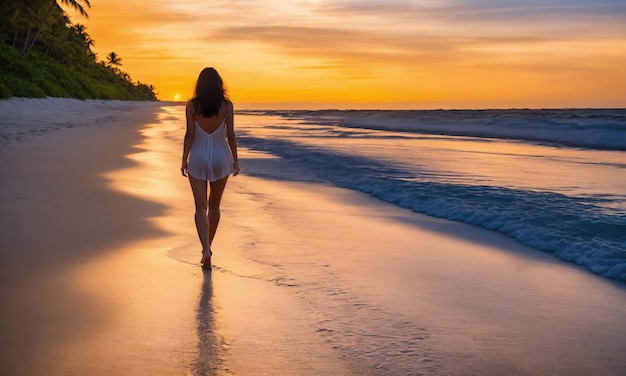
(209, 154)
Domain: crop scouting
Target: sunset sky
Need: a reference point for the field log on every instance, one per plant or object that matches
(373, 54)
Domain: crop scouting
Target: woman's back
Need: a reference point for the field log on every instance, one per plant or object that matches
(210, 158)
(210, 124)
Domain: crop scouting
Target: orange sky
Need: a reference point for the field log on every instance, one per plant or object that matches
(373, 54)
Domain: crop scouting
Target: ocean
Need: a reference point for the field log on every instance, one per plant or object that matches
(554, 180)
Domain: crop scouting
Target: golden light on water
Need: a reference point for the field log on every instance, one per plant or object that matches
(381, 54)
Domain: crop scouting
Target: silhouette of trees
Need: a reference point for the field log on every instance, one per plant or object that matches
(43, 53)
(54, 5)
(114, 61)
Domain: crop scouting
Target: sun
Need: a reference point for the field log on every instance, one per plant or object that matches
(177, 97)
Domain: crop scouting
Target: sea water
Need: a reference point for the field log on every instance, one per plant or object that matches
(554, 180)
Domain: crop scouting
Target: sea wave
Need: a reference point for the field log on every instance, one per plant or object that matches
(603, 129)
(576, 229)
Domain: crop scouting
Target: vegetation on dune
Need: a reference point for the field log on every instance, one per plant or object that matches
(43, 54)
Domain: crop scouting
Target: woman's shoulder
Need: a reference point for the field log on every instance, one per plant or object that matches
(229, 104)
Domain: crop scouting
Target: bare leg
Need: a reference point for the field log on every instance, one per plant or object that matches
(215, 198)
(199, 189)
(207, 215)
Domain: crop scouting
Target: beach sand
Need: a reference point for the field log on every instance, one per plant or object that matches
(99, 269)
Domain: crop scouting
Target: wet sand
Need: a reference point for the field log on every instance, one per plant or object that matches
(100, 274)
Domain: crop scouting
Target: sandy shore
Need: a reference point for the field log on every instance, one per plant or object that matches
(99, 270)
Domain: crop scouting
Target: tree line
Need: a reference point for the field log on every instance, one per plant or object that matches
(42, 53)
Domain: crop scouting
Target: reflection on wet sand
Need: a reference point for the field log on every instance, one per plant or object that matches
(210, 345)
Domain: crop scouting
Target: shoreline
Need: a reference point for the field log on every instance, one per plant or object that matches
(444, 297)
(308, 279)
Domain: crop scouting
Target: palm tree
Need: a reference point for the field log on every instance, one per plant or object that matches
(57, 45)
(114, 61)
(18, 17)
(80, 29)
(80, 36)
(125, 76)
(54, 3)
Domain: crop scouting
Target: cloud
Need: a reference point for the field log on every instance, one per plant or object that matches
(410, 34)
(482, 10)
(387, 42)
(341, 46)
(531, 16)
(348, 47)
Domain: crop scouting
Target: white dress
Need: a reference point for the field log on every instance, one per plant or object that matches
(210, 157)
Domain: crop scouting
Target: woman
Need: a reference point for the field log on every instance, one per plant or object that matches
(209, 154)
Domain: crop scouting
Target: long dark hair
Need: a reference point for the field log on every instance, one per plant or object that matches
(210, 93)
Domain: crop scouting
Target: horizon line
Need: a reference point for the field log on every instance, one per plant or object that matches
(311, 106)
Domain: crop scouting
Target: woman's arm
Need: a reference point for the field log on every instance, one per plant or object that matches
(189, 135)
(232, 138)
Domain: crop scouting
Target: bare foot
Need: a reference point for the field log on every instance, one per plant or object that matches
(206, 260)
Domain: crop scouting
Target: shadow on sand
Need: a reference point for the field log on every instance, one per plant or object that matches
(210, 345)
